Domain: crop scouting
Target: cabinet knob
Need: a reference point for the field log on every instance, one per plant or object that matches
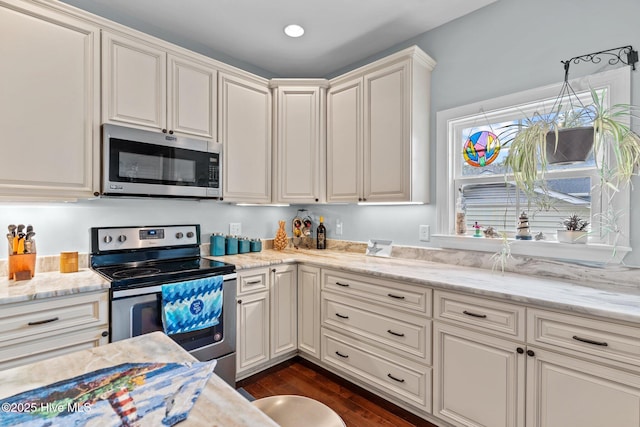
(317, 200)
(359, 199)
(530, 353)
(170, 132)
(239, 301)
(520, 350)
(105, 334)
(273, 270)
(164, 131)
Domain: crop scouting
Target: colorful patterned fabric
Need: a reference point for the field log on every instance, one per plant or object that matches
(191, 305)
(130, 394)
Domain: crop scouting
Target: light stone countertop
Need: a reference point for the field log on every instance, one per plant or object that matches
(608, 301)
(50, 284)
(218, 405)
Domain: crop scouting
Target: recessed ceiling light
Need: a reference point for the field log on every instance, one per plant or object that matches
(294, 30)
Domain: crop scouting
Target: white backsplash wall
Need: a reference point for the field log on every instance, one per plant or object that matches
(65, 226)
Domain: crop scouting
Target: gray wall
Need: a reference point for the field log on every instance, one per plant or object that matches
(509, 46)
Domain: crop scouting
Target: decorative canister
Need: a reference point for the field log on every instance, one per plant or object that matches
(232, 245)
(217, 244)
(244, 245)
(256, 245)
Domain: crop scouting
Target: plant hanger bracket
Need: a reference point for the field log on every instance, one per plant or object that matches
(617, 54)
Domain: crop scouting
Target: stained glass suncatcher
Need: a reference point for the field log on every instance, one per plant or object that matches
(481, 149)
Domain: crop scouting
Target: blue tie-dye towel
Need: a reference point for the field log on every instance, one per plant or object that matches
(192, 305)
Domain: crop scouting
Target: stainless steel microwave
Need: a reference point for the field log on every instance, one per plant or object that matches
(142, 163)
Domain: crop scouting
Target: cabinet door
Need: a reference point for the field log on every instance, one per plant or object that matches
(134, 82)
(479, 379)
(245, 131)
(309, 310)
(49, 104)
(344, 142)
(192, 97)
(252, 336)
(563, 391)
(284, 314)
(298, 159)
(387, 124)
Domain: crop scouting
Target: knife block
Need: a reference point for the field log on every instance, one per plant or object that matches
(22, 267)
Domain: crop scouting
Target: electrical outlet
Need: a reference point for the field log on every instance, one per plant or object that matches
(424, 233)
(338, 227)
(235, 228)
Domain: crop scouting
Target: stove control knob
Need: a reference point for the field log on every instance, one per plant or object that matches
(179, 235)
(190, 234)
(122, 238)
(108, 239)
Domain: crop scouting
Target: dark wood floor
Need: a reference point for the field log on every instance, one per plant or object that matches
(356, 406)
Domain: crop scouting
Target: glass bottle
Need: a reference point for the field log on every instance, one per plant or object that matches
(321, 234)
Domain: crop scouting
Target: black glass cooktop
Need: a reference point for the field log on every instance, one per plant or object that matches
(148, 273)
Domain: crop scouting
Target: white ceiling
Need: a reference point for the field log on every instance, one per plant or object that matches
(337, 32)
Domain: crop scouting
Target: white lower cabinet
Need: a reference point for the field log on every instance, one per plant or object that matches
(253, 331)
(479, 379)
(38, 330)
(309, 311)
(402, 379)
(266, 318)
(563, 391)
(378, 333)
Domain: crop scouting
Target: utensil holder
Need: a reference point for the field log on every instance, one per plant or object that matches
(68, 262)
(22, 267)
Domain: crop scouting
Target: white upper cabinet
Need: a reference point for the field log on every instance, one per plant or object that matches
(245, 133)
(378, 131)
(299, 143)
(344, 142)
(49, 103)
(146, 86)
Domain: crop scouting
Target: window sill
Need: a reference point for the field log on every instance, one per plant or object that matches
(588, 253)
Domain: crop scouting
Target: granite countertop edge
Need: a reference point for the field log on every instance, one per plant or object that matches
(610, 302)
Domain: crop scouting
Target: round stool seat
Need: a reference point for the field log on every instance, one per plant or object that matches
(295, 411)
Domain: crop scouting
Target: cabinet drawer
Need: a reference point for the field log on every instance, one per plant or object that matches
(481, 314)
(51, 346)
(26, 321)
(407, 334)
(411, 298)
(588, 336)
(254, 280)
(399, 377)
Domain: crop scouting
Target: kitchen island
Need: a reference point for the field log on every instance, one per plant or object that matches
(217, 405)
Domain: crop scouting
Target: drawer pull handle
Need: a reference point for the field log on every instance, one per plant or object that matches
(344, 285)
(400, 380)
(395, 333)
(480, 316)
(254, 282)
(344, 356)
(41, 322)
(395, 296)
(588, 341)
(342, 316)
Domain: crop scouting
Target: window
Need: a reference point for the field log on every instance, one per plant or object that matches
(492, 199)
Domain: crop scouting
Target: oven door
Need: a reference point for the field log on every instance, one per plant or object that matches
(138, 311)
(137, 162)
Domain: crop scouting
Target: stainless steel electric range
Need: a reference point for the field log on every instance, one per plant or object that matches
(138, 261)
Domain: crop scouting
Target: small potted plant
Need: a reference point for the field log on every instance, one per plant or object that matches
(575, 230)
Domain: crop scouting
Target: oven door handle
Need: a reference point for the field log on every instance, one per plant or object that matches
(157, 289)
